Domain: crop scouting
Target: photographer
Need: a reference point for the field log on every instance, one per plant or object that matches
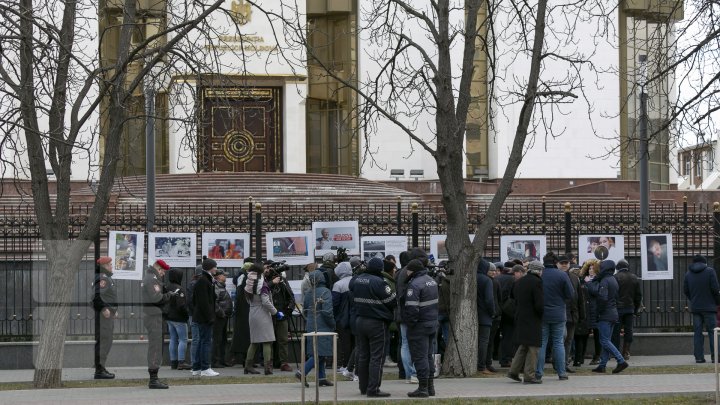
(284, 301)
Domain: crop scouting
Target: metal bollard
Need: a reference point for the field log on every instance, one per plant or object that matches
(315, 335)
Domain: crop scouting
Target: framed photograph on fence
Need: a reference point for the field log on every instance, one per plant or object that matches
(227, 249)
(177, 249)
(656, 256)
(438, 249)
(601, 247)
(523, 247)
(295, 248)
(381, 246)
(329, 236)
(127, 251)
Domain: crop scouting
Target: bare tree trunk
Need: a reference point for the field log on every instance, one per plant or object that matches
(461, 352)
(63, 260)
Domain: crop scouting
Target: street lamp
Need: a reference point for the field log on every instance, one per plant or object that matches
(644, 203)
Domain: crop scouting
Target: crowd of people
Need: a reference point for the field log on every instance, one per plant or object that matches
(529, 312)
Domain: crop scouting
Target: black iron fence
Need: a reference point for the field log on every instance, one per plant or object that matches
(24, 275)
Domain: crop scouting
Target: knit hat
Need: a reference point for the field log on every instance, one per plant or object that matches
(328, 260)
(535, 266)
(354, 262)
(550, 259)
(162, 264)
(415, 265)
(699, 259)
(208, 264)
(375, 265)
(518, 268)
(622, 264)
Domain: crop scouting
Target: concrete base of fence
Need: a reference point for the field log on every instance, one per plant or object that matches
(133, 353)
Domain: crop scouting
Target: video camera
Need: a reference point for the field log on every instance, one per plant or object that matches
(276, 268)
(439, 270)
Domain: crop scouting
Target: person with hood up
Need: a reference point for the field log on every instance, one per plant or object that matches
(628, 305)
(177, 318)
(319, 317)
(257, 294)
(701, 289)
(341, 308)
(604, 290)
(485, 313)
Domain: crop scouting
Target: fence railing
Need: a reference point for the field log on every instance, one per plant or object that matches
(24, 279)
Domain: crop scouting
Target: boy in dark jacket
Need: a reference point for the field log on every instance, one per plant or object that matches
(203, 304)
(701, 289)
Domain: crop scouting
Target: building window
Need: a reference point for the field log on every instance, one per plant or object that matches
(710, 159)
(330, 142)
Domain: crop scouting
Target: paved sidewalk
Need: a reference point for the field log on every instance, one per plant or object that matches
(585, 386)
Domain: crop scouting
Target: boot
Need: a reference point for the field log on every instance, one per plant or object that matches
(102, 374)
(174, 364)
(249, 367)
(421, 391)
(268, 367)
(183, 366)
(431, 386)
(626, 351)
(154, 383)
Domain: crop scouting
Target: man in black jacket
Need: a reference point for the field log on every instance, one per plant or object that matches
(223, 312)
(374, 303)
(628, 305)
(203, 317)
(284, 301)
(420, 313)
(529, 297)
(701, 289)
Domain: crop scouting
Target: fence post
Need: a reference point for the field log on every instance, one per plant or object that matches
(568, 227)
(258, 233)
(414, 210)
(716, 233)
(250, 222)
(399, 215)
(544, 212)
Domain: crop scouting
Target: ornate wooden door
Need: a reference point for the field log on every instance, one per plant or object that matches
(241, 130)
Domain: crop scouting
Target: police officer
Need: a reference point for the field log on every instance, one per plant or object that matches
(374, 303)
(419, 311)
(155, 297)
(105, 305)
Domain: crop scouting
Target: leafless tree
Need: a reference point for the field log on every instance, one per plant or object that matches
(55, 84)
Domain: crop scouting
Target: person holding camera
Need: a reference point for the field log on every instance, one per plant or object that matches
(284, 302)
(257, 294)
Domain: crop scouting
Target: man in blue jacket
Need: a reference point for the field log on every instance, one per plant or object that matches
(604, 290)
(557, 291)
(701, 289)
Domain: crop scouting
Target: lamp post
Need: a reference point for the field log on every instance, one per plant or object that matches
(644, 180)
(149, 92)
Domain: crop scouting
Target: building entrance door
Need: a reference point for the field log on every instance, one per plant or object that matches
(240, 130)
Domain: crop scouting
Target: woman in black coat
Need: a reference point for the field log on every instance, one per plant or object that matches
(530, 304)
(241, 328)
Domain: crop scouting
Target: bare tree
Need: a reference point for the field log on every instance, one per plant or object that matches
(58, 91)
(425, 59)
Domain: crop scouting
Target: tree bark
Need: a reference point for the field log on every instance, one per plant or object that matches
(63, 260)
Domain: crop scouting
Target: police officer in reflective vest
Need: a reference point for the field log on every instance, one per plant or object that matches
(155, 297)
(374, 303)
(105, 305)
(419, 311)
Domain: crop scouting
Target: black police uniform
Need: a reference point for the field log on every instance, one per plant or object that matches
(105, 305)
(374, 303)
(154, 298)
(420, 313)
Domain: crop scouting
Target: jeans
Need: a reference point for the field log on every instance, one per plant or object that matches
(310, 363)
(605, 328)
(405, 354)
(178, 340)
(201, 351)
(554, 332)
(483, 339)
(195, 340)
(706, 319)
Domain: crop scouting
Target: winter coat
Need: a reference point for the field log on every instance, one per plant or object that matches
(318, 311)
(203, 299)
(177, 310)
(575, 307)
(241, 331)
(588, 321)
(530, 306)
(224, 305)
(341, 296)
(701, 288)
(261, 313)
(485, 299)
(506, 281)
(400, 286)
(630, 294)
(557, 290)
(604, 290)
